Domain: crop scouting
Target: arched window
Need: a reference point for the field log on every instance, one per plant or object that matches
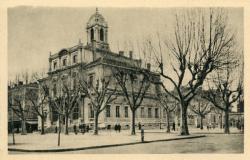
(92, 34)
(101, 34)
(64, 62)
(75, 59)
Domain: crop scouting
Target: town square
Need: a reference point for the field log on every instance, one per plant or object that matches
(125, 80)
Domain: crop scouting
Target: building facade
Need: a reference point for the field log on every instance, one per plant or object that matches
(97, 61)
(19, 103)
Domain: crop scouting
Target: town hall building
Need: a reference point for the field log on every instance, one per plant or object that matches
(97, 59)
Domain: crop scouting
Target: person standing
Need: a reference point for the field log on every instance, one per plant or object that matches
(173, 127)
(74, 127)
(119, 128)
(139, 126)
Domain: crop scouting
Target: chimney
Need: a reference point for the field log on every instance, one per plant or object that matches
(121, 53)
(131, 54)
(148, 66)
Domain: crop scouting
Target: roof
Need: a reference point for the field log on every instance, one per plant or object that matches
(96, 19)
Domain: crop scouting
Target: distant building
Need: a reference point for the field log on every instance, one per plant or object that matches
(19, 93)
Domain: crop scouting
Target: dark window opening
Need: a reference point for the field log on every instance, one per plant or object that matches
(126, 112)
(64, 62)
(76, 112)
(55, 65)
(101, 35)
(75, 59)
(92, 34)
(108, 111)
(91, 111)
(91, 79)
(156, 113)
(117, 111)
(54, 90)
(149, 112)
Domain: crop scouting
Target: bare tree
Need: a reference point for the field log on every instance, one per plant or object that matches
(16, 103)
(71, 98)
(134, 84)
(39, 100)
(201, 109)
(169, 106)
(100, 94)
(64, 102)
(224, 94)
(57, 104)
(200, 45)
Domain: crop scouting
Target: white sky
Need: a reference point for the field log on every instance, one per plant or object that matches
(35, 31)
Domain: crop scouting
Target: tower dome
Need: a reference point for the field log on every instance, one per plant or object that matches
(96, 19)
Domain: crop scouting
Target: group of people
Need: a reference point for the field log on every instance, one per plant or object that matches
(240, 126)
(117, 127)
(82, 128)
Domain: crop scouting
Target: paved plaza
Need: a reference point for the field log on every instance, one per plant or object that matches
(212, 143)
(229, 143)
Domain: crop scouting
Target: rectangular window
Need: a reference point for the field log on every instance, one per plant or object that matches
(126, 112)
(164, 113)
(76, 112)
(91, 109)
(142, 112)
(54, 90)
(73, 83)
(149, 112)
(117, 111)
(108, 111)
(156, 112)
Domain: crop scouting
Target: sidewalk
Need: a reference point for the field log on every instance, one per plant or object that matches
(198, 131)
(48, 142)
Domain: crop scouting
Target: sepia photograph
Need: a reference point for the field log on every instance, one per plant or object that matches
(134, 80)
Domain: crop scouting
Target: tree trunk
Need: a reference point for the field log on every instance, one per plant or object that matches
(96, 124)
(167, 122)
(24, 131)
(66, 125)
(184, 125)
(201, 123)
(42, 127)
(226, 122)
(133, 123)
